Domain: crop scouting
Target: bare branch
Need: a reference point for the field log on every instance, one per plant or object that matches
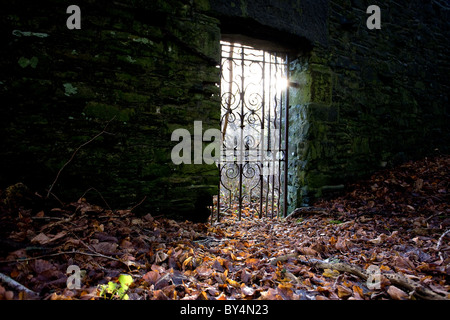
(73, 155)
(440, 239)
(135, 206)
(17, 286)
(101, 196)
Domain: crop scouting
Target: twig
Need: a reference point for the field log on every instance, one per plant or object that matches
(17, 286)
(47, 218)
(54, 196)
(440, 239)
(395, 278)
(432, 216)
(61, 253)
(101, 196)
(135, 206)
(441, 5)
(73, 155)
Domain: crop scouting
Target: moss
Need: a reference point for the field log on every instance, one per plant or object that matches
(24, 62)
(321, 84)
(130, 97)
(19, 34)
(153, 170)
(107, 112)
(69, 89)
(202, 5)
(244, 8)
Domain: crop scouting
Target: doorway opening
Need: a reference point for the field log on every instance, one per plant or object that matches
(254, 108)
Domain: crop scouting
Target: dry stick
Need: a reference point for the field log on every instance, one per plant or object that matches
(101, 196)
(440, 239)
(54, 196)
(17, 286)
(61, 253)
(74, 153)
(135, 206)
(396, 278)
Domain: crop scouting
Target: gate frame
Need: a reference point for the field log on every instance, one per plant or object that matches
(284, 103)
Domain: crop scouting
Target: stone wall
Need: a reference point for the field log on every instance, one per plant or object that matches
(370, 98)
(360, 98)
(148, 65)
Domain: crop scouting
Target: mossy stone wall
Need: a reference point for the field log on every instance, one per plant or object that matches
(360, 99)
(148, 65)
(369, 98)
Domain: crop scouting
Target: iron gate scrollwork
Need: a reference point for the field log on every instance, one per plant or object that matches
(254, 131)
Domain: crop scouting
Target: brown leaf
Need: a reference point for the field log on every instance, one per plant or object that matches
(246, 276)
(418, 185)
(247, 291)
(40, 214)
(187, 264)
(151, 277)
(202, 296)
(217, 265)
(163, 281)
(251, 262)
(285, 291)
(330, 273)
(58, 236)
(397, 294)
(343, 292)
(204, 271)
(308, 251)
(125, 244)
(41, 266)
(380, 239)
(222, 296)
(41, 238)
(160, 257)
(341, 244)
(233, 283)
(71, 244)
(403, 263)
(358, 293)
(105, 247)
(270, 294)
(157, 268)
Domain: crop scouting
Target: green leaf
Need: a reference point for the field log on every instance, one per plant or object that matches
(23, 62)
(112, 287)
(335, 222)
(125, 281)
(102, 290)
(69, 89)
(34, 62)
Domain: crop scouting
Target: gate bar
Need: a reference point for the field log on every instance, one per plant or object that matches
(286, 141)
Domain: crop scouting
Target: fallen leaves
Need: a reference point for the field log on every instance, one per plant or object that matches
(44, 239)
(397, 294)
(391, 222)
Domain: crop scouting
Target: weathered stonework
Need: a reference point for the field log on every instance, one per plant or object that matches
(359, 98)
(149, 65)
(388, 100)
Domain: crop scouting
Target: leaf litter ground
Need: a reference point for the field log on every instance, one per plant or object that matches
(395, 221)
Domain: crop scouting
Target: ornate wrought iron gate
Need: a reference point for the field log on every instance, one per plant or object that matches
(254, 150)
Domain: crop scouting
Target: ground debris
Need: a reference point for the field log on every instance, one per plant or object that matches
(394, 225)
